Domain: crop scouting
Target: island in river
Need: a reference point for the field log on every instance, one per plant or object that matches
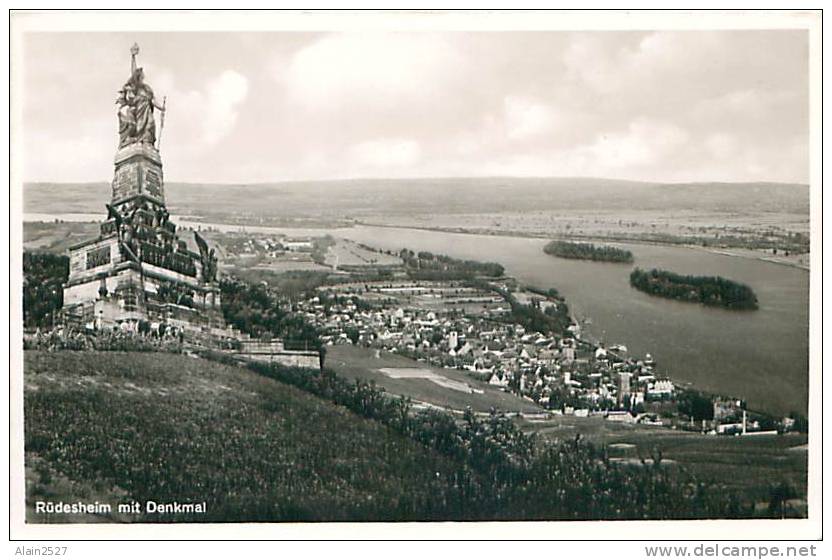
(709, 290)
(587, 252)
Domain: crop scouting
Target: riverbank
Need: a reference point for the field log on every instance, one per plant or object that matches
(726, 251)
(798, 261)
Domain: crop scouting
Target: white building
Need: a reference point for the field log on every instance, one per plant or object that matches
(662, 387)
(453, 340)
(498, 381)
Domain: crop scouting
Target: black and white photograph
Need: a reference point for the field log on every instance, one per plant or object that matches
(317, 271)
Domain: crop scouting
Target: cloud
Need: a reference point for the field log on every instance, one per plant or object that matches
(206, 116)
(356, 71)
(593, 61)
(224, 96)
(221, 101)
(667, 74)
(644, 142)
(723, 105)
(69, 154)
(756, 111)
(618, 63)
(722, 145)
(385, 153)
(527, 118)
(623, 153)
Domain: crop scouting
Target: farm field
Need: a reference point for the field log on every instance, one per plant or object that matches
(360, 363)
(348, 253)
(56, 237)
(116, 427)
(289, 264)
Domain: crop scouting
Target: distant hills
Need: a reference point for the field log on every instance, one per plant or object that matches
(366, 197)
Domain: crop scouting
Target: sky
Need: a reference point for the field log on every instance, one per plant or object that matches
(261, 107)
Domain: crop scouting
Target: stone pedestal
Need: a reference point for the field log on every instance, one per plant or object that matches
(138, 173)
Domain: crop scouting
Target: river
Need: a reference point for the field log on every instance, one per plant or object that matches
(761, 356)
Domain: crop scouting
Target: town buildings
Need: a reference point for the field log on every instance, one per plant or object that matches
(454, 325)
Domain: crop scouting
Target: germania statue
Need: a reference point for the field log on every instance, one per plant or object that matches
(136, 122)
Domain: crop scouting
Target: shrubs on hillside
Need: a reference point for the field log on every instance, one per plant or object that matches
(43, 278)
(254, 455)
(173, 429)
(511, 477)
(257, 310)
(68, 338)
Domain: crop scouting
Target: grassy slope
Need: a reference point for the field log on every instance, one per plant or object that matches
(117, 426)
(749, 465)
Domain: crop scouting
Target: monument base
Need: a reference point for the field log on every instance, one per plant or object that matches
(134, 292)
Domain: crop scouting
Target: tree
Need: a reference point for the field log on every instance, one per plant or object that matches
(43, 277)
(709, 290)
(779, 496)
(352, 334)
(696, 405)
(256, 310)
(587, 251)
(801, 423)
